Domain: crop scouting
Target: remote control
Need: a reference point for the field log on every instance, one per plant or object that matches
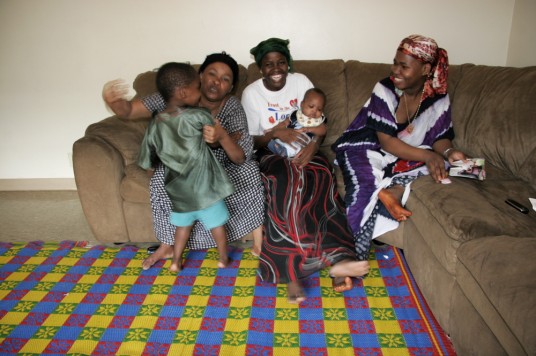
(517, 206)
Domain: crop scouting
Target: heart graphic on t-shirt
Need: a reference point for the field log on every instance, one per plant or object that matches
(294, 103)
(271, 119)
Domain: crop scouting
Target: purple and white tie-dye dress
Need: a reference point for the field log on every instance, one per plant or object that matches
(367, 169)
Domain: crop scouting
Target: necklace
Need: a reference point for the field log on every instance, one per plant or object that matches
(410, 127)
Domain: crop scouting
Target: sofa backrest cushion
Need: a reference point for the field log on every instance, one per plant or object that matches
(360, 80)
(494, 115)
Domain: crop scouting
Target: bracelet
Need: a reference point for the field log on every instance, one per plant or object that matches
(446, 152)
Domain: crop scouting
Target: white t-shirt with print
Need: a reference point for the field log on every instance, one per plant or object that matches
(265, 108)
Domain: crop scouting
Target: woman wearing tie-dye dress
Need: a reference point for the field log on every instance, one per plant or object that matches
(404, 131)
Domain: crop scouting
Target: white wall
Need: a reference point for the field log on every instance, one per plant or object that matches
(522, 46)
(57, 54)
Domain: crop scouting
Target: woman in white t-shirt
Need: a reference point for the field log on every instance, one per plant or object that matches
(305, 224)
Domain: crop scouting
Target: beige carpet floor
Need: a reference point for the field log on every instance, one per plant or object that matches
(42, 215)
(48, 216)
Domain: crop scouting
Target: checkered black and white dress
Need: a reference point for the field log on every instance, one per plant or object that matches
(246, 204)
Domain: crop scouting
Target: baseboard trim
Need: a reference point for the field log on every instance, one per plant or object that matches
(37, 184)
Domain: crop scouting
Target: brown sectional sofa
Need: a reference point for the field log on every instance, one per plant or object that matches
(472, 255)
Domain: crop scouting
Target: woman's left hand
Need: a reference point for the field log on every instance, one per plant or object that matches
(455, 155)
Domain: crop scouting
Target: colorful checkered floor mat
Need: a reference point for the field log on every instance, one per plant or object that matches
(61, 299)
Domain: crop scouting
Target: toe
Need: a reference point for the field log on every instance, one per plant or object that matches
(342, 284)
(147, 263)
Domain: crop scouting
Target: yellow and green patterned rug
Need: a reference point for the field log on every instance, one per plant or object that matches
(62, 299)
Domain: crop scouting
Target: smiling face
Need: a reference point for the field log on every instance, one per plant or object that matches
(408, 73)
(216, 81)
(274, 69)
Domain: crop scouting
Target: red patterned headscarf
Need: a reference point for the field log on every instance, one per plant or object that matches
(425, 49)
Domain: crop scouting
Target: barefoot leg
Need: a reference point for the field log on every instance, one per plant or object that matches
(182, 234)
(391, 199)
(295, 293)
(257, 242)
(220, 236)
(176, 265)
(349, 268)
(163, 252)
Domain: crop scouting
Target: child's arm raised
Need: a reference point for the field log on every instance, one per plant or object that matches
(114, 95)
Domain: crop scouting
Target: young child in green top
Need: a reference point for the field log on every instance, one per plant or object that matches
(194, 179)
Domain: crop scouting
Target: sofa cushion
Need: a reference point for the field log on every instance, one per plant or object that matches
(468, 209)
(360, 80)
(493, 114)
(124, 135)
(497, 274)
(527, 171)
(135, 185)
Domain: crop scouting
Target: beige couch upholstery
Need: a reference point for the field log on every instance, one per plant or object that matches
(472, 255)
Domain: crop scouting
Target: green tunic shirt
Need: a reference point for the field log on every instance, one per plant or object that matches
(194, 178)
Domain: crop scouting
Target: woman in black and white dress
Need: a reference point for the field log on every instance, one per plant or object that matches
(232, 145)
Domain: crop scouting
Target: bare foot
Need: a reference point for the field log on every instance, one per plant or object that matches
(341, 284)
(257, 242)
(391, 199)
(295, 293)
(175, 267)
(349, 268)
(222, 263)
(162, 253)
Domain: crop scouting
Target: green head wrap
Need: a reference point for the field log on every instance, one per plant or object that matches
(271, 45)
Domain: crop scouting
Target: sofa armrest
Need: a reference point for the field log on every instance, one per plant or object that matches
(99, 161)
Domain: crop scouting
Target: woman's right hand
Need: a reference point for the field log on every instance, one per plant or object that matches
(290, 136)
(436, 166)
